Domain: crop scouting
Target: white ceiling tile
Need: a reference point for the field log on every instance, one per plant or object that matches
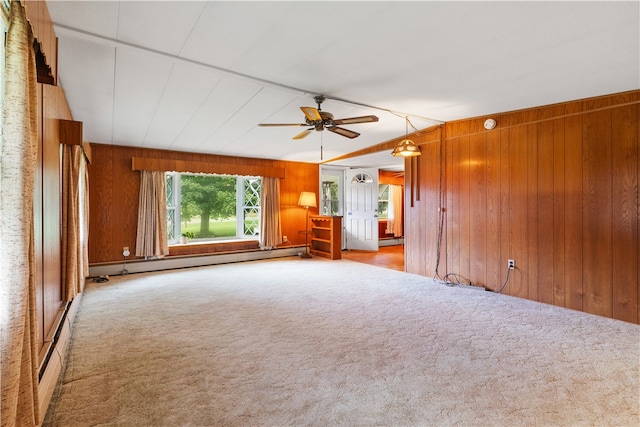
(187, 89)
(158, 25)
(140, 80)
(228, 29)
(227, 98)
(96, 17)
(79, 58)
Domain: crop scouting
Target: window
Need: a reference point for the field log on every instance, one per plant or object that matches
(210, 207)
(383, 201)
(331, 190)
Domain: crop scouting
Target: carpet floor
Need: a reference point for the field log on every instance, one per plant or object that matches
(330, 343)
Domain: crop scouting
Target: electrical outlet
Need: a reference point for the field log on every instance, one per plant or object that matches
(125, 251)
(284, 239)
(512, 264)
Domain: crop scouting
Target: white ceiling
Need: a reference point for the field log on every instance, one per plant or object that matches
(200, 76)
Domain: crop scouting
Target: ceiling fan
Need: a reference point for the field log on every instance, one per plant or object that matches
(321, 120)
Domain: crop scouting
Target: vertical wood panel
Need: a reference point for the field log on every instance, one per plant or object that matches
(431, 199)
(494, 266)
(465, 208)
(54, 108)
(597, 215)
(478, 204)
(101, 203)
(532, 212)
(625, 212)
(545, 212)
(559, 227)
(453, 206)
(505, 200)
(518, 211)
(573, 212)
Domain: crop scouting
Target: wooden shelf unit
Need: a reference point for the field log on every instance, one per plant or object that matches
(326, 236)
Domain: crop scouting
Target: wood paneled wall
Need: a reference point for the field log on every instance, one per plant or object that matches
(114, 189)
(554, 188)
(47, 212)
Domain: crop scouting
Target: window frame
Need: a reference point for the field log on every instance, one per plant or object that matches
(240, 215)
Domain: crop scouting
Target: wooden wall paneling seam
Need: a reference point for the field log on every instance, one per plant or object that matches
(453, 207)
(597, 194)
(624, 209)
(573, 213)
(533, 218)
(477, 165)
(505, 213)
(442, 202)
(545, 236)
(465, 208)
(559, 227)
(493, 261)
(518, 211)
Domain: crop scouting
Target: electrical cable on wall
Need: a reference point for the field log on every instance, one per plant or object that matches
(451, 279)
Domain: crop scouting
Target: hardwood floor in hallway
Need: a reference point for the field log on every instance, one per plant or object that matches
(387, 256)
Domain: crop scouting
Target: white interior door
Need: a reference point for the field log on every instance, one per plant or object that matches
(361, 209)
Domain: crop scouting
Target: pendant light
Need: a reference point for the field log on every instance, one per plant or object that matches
(406, 147)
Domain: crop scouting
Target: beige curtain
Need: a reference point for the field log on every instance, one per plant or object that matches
(73, 216)
(84, 220)
(152, 239)
(270, 225)
(18, 332)
(394, 221)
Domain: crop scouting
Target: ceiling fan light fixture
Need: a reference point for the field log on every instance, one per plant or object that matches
(406, 147)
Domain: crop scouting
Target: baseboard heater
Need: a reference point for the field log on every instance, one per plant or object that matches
(174, 262)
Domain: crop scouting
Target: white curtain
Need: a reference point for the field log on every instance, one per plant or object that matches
(18, 154)
(151, 241)
(395, 214)
(270, 225)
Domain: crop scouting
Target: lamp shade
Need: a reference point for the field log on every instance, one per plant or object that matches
(307, 199)
(406, 148)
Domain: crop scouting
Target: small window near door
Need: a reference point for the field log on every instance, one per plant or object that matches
(383, 201)
(362, 178)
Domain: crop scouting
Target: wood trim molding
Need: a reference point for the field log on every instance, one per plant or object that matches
(166, 165)
(70, 132)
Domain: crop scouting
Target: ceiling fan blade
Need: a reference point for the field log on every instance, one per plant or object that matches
(303, 134)
(312, 113)
(344, 132)
(352, 120)
(281, 124)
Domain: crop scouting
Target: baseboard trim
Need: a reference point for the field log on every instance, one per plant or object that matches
(173, 262)
(392, 241)
(53, 368)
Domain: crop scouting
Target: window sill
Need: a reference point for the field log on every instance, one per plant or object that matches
(210, 242)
